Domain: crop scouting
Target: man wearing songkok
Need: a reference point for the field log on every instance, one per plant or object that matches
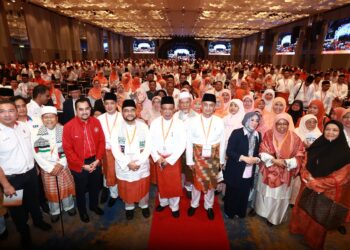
(17, 171)
(168, 143)
(49, 154)
(69, 104)
(131, 147)
(205, 153)
(84, 145)
(6, 93)
(184, 114)
(109, 121)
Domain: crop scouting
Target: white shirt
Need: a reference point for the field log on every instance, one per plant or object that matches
(145, 86)
(16, 153)
(109, 123)
(34, 110)
(284, 85)
(340, 90)
(326, 98)
(168, 139)
(129, 143)
(303, 93)
(196, 135)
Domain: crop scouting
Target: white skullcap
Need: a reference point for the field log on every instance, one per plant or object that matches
(48, 110)
(184, 95)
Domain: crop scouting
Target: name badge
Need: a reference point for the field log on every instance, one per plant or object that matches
(206, 151)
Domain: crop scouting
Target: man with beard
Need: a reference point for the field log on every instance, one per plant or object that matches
(84, 146)
(131, 147)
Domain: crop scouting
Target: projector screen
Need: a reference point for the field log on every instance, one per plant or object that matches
(219, 48)
(144, 47)
(285, 45)
(181, 53)
(337, 39)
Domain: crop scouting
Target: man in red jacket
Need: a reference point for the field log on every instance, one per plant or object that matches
(84, 146)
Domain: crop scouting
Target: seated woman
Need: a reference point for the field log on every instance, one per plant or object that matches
(316, 108)
(326, 171)
(47, 143)
(281, 152)
(296, 111)
(95, 92)
(242, 156)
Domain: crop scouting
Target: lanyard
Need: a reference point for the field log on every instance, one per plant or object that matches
(167, 133)
(206, 134)
(110, 130)
(133, 135)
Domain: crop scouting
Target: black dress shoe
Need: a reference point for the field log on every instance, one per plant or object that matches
(45, 207)
(112, 201)
(210, 213)
(191, 211)
(252, 213)
(129, 214)
(4, 235)
(84, 218)
(145, 212)
(97, 211)
(55, 218)
(269, 223)
(159, 208)
(342, 230)
(104, 195)
(42, 225)
(26, 239)
(72, 212)
(176, 214)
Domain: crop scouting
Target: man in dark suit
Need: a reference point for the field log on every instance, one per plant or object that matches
(69, 104)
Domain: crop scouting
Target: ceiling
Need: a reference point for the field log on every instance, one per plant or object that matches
(208, 19)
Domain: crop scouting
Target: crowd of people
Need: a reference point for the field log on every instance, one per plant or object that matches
(266, 137)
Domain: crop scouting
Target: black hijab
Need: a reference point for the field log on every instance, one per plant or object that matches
(296, 114)
(325, 157)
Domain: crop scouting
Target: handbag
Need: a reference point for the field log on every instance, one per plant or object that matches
(325, 211)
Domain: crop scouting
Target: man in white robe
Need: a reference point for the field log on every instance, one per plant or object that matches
(168, 143)
(205, 154)
(131, 147)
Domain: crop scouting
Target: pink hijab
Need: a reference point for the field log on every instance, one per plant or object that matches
(252, 99)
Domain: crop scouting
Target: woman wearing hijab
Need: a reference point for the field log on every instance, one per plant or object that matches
(327, 172)
(317, 109)
(281, 152)
(336, 113)
(95, 92)
(226, 96)
(345, 120)
(279, 106)
(242, 156)
(248, 103)
(296, 111)
(220, 110)
(308, 132)
(233, 120)
(268, 97)
(197, 105)
(155, 111)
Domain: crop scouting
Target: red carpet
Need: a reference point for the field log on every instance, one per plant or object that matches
(196, 232)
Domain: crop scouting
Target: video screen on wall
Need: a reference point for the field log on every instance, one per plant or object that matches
(219, 48)
(285, 46)
(337, 39)
(181, 53)
(144, 47)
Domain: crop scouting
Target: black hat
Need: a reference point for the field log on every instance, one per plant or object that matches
(24, 75)
(207, 97)
(74, 88)
(110, 96)
(6, 92)
(129, 103)
(167, 100)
